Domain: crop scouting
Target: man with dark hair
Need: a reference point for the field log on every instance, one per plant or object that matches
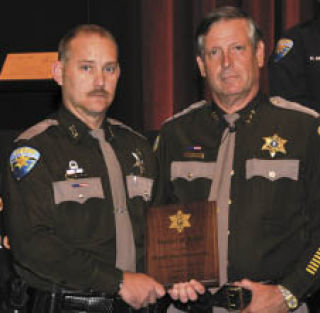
(77, 189)
(258, 158)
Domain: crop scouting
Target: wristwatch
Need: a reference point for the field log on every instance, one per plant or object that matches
(290, 300)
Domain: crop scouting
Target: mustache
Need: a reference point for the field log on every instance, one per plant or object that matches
(98, 92)
(228, 73)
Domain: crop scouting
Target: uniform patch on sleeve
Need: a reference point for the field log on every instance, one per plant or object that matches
(23, 160)
(284, 45)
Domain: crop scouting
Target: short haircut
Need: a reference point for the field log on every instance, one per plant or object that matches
(226, 13)
(63, 48)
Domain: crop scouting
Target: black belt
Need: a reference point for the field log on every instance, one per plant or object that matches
(64, 301)
(228, 296)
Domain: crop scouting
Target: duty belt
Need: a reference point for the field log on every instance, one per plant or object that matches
(64, 301)
(229, 297)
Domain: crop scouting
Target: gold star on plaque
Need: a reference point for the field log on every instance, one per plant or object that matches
(274, 144)
(180, 221)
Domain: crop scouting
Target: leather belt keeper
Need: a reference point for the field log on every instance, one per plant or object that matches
(228, 296)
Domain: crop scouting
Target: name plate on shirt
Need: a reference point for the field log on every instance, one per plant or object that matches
(182, 243)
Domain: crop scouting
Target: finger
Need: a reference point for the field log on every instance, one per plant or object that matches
(244, 283)
(197, 286)
(6, 242)
(173, 292)
(159, 290)
(152, 298)
(191, 292)
(182, 293)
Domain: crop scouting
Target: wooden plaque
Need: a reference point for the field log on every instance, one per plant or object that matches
(182, 243)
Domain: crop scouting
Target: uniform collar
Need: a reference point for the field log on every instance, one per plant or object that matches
(75, 128)
(247, 114)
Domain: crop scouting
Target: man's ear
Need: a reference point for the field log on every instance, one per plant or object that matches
(201, 66)
(260, 53)
(56, 72)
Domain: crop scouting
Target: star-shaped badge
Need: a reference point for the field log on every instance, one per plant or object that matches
(274, 144)
(180, 221)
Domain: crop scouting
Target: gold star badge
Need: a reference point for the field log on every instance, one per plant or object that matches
(180, 221)
(274, 144)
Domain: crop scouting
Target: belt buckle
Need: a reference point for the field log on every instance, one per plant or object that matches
(234, 298)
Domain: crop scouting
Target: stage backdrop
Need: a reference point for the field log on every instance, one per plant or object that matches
(156, 39)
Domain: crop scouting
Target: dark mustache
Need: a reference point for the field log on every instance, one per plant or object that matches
(98, 92)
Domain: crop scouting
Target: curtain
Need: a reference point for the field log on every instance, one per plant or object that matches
(170, 79)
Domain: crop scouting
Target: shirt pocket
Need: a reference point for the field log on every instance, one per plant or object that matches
(78, 190)
(191, 170)
(272, 169)
(139, 186)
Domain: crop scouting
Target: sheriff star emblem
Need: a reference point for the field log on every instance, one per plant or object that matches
(180, 221)
(274, 144)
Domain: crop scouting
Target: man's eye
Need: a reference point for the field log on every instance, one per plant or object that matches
(213, 52)
(110, 68)
(86, 67)
(239, 47)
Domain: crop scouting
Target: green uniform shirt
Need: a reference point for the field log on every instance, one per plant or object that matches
(274, 207)
(61, 220)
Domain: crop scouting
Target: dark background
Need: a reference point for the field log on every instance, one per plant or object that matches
(159, 75)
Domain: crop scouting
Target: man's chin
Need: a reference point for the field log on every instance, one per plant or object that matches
(99, 105)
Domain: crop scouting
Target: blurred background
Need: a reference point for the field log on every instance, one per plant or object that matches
(157, 54)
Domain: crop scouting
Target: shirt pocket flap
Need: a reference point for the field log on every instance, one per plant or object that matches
(191, 170)
(139, 186)
(272, 169)
(78, 190)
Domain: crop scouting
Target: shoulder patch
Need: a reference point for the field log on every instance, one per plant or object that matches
(289, 105)
(23, 160)
(118, 123)
(190, 108)
(284, 45)
(36, 129)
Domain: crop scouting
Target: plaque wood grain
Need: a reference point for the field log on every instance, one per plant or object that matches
(182, 243)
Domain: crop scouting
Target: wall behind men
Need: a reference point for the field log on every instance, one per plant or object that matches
(35, 26)
(157, 57)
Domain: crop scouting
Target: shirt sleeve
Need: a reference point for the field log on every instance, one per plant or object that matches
(303, 279)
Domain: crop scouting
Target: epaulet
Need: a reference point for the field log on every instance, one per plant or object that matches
(187, 110)
(118, 123)
(36, 129)
(289, 105)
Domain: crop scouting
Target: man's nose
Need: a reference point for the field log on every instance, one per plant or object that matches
(226, 59)
(99, 78)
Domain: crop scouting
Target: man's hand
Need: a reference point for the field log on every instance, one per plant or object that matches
(186, 291)
(139, 290)
(6, 243)
(265, 298)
